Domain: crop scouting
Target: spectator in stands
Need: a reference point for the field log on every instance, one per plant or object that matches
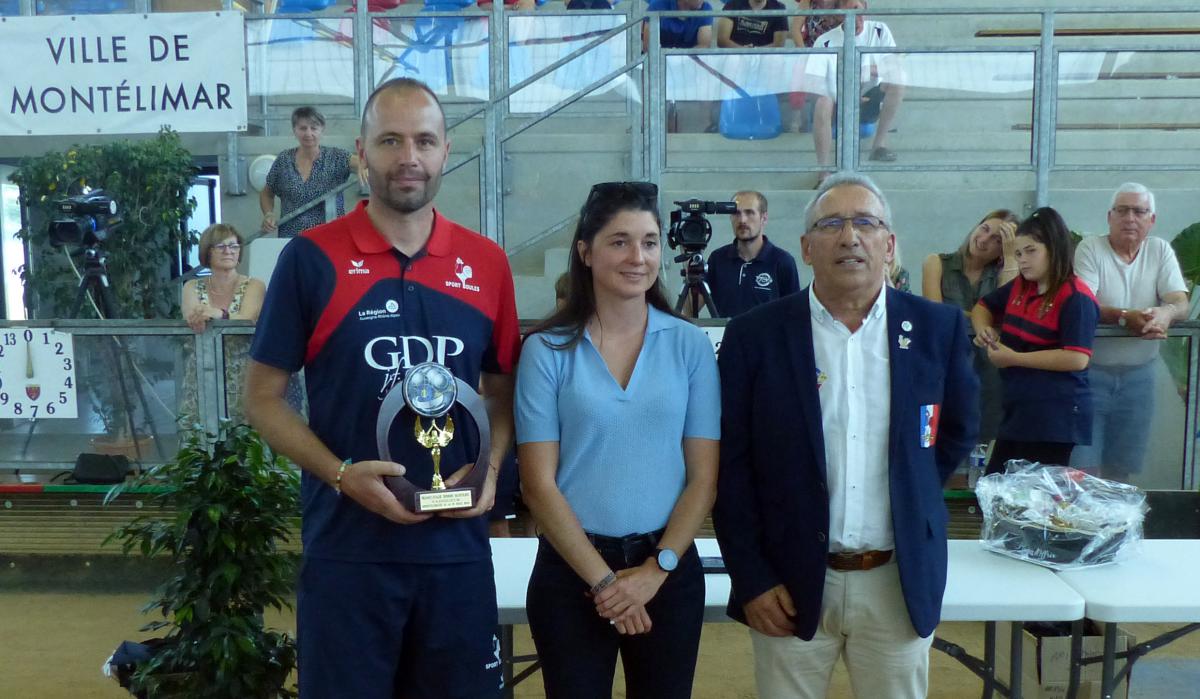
(897, 276)
(302, 174)
(749, 271)
(618, 464)
(986, 260)
(751, 32)
(682, 33)
(806, 29)
(881, 88)
(1140, 288)
(223, 295)
(1046, 318)
(804, 32)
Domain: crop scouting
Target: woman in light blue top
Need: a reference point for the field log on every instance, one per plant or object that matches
(618, 420)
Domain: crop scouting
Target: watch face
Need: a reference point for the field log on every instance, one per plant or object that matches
(430, 389)
(667, 560)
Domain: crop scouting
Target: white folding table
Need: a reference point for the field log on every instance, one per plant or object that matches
(981, 586)
(1160, 583)
(985, 586)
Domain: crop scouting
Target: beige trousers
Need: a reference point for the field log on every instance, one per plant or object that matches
(864, 621)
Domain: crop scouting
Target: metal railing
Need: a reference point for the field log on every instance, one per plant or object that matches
(648, 115)
(205, 355)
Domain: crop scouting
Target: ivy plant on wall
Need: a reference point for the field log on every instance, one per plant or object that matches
(149, 180)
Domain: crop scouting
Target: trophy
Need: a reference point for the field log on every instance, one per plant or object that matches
(429, 391)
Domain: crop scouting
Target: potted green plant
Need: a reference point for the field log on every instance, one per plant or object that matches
(229, 505)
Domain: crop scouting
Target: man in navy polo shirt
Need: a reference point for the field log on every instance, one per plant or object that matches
(749, 271)
(390, 602)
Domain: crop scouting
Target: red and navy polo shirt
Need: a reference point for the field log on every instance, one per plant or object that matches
(356, 314)
(1040, 405)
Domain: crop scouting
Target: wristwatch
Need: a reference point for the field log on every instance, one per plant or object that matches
(1122, 320)
(667, 560)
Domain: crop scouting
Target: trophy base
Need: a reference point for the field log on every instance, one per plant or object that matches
(444, 500)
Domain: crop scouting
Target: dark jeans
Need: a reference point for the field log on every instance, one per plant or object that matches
(1048, 453)
(578, 648)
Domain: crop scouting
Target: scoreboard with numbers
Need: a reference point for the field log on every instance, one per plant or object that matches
(37, 374)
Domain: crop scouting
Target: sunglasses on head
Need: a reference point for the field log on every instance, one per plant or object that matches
(647, 190)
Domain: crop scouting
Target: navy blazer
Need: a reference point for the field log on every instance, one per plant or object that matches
(772, 509)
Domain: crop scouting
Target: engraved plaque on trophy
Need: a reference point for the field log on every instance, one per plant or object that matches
(429, 391)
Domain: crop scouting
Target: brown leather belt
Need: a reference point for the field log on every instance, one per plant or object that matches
(858, 561)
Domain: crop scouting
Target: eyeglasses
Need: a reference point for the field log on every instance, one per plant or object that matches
(1137, 211)
(228, 247)
(835, 224)
(646, 190)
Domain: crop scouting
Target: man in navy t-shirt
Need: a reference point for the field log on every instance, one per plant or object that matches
(745, 32)
(749, 271)
(390, 602)
(681, 32)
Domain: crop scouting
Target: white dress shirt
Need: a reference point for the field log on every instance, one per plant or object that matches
(854, 384)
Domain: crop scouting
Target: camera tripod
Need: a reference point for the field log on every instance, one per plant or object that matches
(94, 279)
(695, 293)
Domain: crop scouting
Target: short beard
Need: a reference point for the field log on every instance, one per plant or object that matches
(406, 203)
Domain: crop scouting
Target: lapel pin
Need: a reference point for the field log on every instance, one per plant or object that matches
(906, 326)
(903, 342)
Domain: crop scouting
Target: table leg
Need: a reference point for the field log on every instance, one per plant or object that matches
(507, 651)
(989, 658)
(1076, 657)
(1016, 640)
(1107, 685)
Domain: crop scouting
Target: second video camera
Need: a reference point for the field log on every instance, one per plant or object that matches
(85, 219)
(690, 229)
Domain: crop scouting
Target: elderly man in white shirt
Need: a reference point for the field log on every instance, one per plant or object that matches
(1138, 283)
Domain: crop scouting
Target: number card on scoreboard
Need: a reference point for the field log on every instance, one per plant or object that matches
(37, 374)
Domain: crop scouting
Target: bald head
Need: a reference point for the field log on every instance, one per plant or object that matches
(402, 88)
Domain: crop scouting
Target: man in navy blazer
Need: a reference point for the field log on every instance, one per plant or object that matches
(844, 409)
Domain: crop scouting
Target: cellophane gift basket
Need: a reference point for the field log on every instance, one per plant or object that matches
(1059, 517)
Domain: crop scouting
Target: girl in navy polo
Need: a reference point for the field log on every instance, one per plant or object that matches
(618, 417)
(1038, 331)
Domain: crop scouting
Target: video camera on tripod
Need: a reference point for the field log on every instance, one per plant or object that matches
(84, 220)
(691, 231)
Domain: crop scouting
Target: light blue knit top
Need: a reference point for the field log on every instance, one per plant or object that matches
(620, 462)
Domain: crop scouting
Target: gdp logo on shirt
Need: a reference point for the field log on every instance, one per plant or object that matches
(395, 354)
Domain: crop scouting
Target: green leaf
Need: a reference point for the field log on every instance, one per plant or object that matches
(1187, 249)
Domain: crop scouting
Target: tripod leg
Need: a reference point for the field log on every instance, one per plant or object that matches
(29, 437)
(141, 394)
(80, 293)
(109, 304)
(706, 293)
(682, 300)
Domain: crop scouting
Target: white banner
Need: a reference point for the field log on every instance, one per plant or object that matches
(124, 73)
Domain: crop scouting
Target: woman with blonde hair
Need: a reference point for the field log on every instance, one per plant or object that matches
(985, 261)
